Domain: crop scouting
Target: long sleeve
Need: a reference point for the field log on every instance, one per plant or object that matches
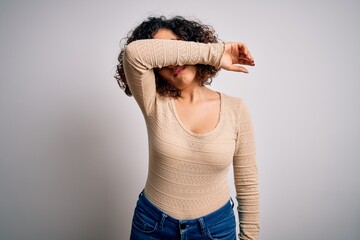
(246, 178)
(140, 57)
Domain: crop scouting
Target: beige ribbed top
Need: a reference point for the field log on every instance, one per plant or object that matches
(188, 172)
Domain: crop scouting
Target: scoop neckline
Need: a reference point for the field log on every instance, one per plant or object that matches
(217, 126)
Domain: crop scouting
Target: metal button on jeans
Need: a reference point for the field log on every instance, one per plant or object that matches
(182, 226)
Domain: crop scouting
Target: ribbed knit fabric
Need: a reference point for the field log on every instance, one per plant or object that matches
(188, 172)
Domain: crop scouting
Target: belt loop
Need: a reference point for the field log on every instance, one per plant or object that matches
(202, 225)
(232, 202)
(164, 216)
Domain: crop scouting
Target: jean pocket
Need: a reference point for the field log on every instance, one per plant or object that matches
(224, 229)
(143, 222)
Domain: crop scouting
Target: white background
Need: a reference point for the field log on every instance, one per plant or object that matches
(73, 147)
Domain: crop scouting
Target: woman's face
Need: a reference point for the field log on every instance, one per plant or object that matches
(180, 76)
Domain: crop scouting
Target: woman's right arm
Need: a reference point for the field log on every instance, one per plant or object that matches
(142, 56)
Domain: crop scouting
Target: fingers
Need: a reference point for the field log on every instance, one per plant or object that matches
(245, 54)
(246, 61)
(244, 49)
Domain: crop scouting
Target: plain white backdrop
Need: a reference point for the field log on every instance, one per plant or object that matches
(73, 147)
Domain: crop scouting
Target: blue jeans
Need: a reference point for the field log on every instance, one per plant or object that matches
(149, 222)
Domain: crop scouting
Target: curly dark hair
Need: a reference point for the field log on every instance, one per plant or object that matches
(187, 30)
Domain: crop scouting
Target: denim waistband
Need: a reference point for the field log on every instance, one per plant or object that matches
(209, 218)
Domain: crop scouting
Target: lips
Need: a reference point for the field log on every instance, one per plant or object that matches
(178, 70)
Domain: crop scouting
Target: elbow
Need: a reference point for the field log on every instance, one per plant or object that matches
(130, 52)
(133, 55)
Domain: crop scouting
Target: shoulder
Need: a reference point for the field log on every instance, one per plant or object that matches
(231, 102)
(236, 107)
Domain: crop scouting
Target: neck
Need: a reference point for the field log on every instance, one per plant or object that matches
(193, 94)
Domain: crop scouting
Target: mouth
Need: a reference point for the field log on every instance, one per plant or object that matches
(178, 70)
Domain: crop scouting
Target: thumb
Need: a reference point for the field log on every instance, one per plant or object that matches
(237, 68)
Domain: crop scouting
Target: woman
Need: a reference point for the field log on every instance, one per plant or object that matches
(194, 133)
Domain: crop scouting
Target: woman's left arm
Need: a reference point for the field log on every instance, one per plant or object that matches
(246, 177)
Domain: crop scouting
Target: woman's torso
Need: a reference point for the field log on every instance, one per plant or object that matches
(188, 172)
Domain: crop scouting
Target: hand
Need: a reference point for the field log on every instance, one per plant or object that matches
(236, 53)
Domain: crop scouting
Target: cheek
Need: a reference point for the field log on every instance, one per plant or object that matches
(192, 72)
(165, 74)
